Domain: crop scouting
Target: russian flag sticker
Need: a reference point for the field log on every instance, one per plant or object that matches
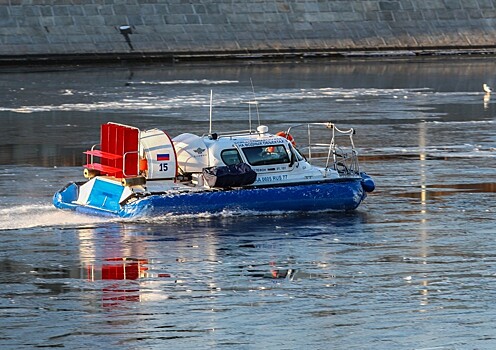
(161, 157)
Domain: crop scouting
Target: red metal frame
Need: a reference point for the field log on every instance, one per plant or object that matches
(118, 153)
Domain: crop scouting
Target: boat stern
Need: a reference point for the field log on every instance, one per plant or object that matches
(99, 195)
(65, 197)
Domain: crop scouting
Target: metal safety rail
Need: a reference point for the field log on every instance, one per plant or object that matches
(339, 153)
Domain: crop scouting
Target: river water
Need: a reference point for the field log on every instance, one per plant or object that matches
(413, 268)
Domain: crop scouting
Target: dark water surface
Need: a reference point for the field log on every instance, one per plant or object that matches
(413, 268)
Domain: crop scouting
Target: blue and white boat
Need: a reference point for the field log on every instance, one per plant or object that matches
(136, 172)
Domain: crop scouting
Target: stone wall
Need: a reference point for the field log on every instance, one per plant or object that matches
(65, 28)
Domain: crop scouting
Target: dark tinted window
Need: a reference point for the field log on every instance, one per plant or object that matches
(230, 156)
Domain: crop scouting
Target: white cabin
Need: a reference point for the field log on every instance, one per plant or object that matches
(272, 157)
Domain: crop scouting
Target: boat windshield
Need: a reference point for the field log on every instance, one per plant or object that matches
(266, 155)
(230, 156)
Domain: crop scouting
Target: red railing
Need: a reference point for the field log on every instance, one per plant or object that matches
(118, 153)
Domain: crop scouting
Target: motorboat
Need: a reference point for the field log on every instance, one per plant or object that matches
(136, 173)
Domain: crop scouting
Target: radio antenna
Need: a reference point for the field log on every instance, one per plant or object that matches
(211, 98)
(255, 101)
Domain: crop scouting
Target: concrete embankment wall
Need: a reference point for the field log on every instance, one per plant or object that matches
(58, 29)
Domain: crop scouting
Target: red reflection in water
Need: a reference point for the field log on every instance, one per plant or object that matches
(119, 269)
(124, 269)
(126, 272)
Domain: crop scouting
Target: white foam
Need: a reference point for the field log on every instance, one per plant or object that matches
(186, 82)
(41, 215)
(445, 151)
(129, 100)
(463, 122)
(171, 218)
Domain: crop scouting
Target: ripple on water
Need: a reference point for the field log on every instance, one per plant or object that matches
(412, 268)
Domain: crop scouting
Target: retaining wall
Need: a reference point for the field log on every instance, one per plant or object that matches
(86, 28)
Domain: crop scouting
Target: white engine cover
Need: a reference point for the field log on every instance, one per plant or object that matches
(160, 154)
(192, 153)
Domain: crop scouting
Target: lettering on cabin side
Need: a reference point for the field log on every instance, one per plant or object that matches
(273, 178)
(255, 143)
(278, 168)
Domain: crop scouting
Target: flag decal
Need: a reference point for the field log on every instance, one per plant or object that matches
(163, 157)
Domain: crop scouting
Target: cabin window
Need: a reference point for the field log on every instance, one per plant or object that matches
(266, 155)
(230, 156)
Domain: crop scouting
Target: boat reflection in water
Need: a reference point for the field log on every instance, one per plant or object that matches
(171, 261)
(115, 269)
(112, 268)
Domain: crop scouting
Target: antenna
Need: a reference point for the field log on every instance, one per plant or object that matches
(249, 116)
(255, 100)
(211, 98)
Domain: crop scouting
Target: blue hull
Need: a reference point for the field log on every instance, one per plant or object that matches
(342, 195)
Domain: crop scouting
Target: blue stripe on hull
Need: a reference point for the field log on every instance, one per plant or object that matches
(340, 195)
(343, 195)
